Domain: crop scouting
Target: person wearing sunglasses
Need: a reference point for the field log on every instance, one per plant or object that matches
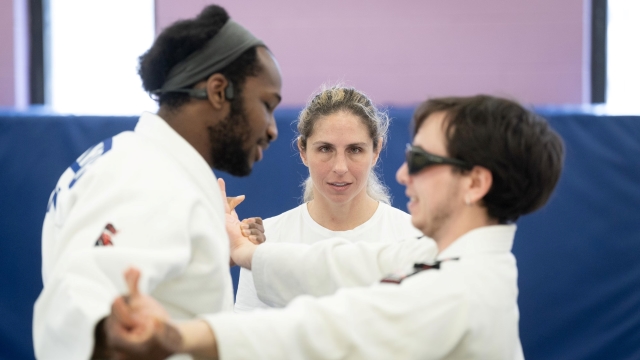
(476, 164)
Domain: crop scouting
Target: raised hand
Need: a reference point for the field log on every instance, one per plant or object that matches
(252, 227)
(138, 326)
(241, 248)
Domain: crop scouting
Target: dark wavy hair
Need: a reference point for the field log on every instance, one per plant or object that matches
(525, 156)
(181, 39)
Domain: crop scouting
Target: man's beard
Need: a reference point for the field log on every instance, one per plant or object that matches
(441, 215)
(227, 140)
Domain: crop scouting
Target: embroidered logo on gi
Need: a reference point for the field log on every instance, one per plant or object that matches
(397, 278)
(106, 236)
(79, 167)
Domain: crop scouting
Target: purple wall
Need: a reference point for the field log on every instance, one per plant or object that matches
(401, 52)
(7, 97)
(14, 60)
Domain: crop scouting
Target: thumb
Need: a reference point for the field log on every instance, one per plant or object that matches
(235, 201)
(132, 276)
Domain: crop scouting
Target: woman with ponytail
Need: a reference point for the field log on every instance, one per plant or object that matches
(340, 137)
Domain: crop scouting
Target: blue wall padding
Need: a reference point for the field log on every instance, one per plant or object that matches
(578, 258)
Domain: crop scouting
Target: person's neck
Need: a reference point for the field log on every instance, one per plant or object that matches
(181, 121)
(344, 216)
(472, 218)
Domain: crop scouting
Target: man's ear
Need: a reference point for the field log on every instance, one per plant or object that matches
(479, 185)
(216, 85)
(303, 153)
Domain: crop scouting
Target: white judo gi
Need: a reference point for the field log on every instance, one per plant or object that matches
(143, 198)
(296, 225)
(466, 309)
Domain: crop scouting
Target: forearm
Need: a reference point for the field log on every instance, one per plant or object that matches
(243, 255)
(284, 271)
(363, 323)
(198, 339)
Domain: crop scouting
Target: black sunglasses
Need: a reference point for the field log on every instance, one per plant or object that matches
(418, 159)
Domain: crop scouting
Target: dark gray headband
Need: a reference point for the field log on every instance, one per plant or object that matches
(229, 43)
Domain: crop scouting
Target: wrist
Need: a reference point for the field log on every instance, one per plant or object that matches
(243, 256)
(197, 339)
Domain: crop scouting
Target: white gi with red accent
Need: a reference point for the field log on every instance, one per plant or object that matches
(466, 309)
(164, 204)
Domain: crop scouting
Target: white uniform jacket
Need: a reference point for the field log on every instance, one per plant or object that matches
(296, 225)
(143, 198)
(466, 309)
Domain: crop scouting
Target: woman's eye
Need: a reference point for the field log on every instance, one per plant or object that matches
(323, 149)
(356, 150)
(266, 104)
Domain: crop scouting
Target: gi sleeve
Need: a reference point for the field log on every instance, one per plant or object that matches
(246, 296)
(83, 276)
(282, 271)
(412, 320)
